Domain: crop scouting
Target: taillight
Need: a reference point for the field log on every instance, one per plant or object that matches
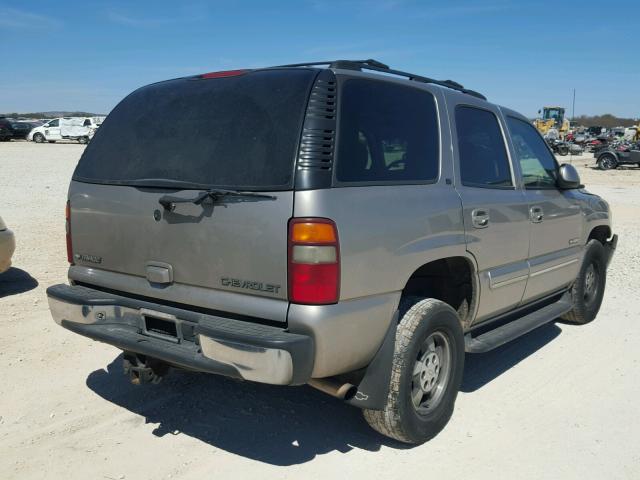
(67, 215)
(314, 261)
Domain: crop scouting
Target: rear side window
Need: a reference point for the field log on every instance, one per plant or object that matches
(237, 132)
(483, 154)
(539, 168)
(388, 133)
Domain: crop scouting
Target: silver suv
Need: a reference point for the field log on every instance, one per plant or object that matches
(341, 224)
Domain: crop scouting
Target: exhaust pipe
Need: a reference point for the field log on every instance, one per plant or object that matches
(343, 391)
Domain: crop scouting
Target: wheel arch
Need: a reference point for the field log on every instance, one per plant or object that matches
(453, 280)
(601, 233)
(609, 153)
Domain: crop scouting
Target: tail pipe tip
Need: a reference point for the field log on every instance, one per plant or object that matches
(342, 391)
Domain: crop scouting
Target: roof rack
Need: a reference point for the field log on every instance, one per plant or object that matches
(376, 66)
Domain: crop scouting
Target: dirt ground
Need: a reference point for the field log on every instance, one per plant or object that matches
(561, 402)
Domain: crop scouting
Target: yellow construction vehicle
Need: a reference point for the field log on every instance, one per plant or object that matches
(552, 117)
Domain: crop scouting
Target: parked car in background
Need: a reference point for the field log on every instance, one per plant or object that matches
(610, 157)
(74, 128)
(595, 131)
(345, 225)
(8, 130)
(7, 246)
(21, 130)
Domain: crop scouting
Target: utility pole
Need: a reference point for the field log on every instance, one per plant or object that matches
(573, 107)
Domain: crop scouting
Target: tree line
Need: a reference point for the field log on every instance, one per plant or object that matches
(607, 120)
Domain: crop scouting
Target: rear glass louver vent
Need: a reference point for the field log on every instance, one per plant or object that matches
(317, 143)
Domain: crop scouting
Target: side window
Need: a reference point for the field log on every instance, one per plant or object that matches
(87, 123)
(54, 123)
(388, 133)
(539, 168)
(483, 155)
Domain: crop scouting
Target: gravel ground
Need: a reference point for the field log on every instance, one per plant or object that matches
(561, 402)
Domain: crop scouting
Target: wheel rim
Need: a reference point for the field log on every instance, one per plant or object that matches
(607, 162)
(430, 374)
(591, 283)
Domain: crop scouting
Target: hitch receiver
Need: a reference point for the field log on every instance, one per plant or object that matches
(142, 369)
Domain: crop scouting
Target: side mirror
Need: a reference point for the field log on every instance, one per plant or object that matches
(568, 177)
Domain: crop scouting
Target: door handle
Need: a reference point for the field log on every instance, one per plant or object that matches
(480, 218)
(536, 214)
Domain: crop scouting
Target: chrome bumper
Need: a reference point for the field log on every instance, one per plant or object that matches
(207, 343)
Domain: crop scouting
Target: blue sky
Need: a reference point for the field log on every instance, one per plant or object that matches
(87, 55)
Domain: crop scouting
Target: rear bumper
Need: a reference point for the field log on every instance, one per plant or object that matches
(203, 342)
(7, 247)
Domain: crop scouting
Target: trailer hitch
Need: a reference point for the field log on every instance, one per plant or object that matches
(142, 369)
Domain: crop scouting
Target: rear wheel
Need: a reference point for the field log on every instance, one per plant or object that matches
(588, 289)
(563, 150)
(83, 140)
(426, 373)
(607, 162)
(38, 138)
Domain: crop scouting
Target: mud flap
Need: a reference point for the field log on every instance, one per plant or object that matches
(373, 389)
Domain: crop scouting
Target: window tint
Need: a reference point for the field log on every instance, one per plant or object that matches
(238, 132)
(483, 155)
(536, 162)
(54, 123)
(388, 133)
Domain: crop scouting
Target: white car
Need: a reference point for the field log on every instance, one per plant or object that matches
(7, 246)
(80, 129)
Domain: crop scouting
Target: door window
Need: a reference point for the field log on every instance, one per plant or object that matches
(483, 155)
(54, 123)
(538, 165)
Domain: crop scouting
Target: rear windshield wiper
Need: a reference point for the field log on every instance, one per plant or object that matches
(169, 201)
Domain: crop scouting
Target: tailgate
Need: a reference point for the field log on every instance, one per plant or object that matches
(234, 246)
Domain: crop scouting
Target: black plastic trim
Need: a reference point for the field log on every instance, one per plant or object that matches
(316, 151)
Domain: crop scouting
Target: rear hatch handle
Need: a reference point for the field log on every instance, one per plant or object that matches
(169, 202)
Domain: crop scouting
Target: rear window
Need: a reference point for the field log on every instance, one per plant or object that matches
(236, 132)
(388, 133)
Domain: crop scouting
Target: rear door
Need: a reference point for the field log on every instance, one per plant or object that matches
(495, 211)
(181, 139)
(555, 218)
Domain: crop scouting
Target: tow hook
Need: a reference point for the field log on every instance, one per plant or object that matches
(142, 369)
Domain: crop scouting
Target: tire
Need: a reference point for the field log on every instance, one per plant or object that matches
(83, 140)
(38, 138)
(588, 289)
(607, 162)
(563, 151)
(422, 374)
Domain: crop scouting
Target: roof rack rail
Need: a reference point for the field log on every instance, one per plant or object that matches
(376, 66)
